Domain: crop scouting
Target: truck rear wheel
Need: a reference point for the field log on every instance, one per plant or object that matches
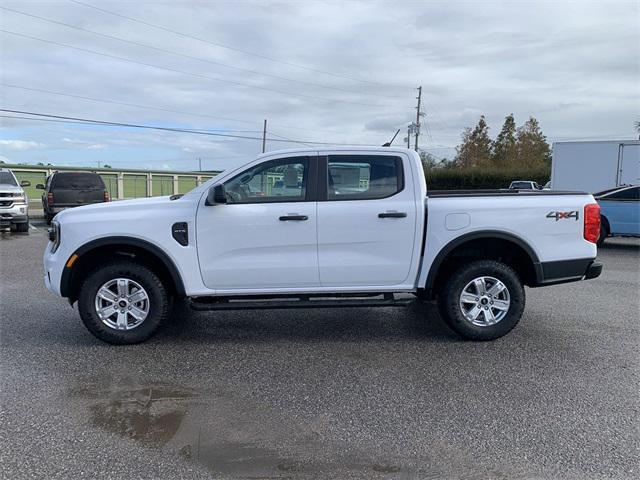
(123, 303)
(482, 300)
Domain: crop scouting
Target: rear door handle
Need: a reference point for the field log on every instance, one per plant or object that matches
(392, 215)
(297, 218)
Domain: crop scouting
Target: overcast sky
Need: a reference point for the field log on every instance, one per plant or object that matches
(325, 71)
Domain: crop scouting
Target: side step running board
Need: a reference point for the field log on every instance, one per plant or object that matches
(238, 303)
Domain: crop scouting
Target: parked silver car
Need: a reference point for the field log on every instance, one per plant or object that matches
(14, 204)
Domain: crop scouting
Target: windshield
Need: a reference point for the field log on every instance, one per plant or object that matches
(7, 178)
(73, 180)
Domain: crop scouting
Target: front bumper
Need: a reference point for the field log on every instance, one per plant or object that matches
(16, 213)
(53, 264)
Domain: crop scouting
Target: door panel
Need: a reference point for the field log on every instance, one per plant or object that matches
(623, 217)
(622, 210)
(368, 241)
(265, 237)
(248, 246)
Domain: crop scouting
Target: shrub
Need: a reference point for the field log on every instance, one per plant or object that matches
(476, 178)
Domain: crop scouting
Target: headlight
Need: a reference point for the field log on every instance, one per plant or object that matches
(54, 236)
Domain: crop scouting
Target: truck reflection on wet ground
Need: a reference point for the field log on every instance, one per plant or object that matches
(174, 419)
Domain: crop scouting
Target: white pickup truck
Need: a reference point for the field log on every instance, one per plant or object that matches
(329, 228)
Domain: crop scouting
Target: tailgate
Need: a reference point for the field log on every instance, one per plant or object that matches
(72, 197)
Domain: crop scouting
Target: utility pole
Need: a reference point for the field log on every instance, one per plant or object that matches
(409, 136)
(417, 129)
(264, 135)
(199, 164)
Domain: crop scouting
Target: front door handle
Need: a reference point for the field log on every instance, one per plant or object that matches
(392, 215)
(297, 218)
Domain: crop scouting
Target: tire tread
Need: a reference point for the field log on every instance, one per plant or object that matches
(448, 299)
(141, 274)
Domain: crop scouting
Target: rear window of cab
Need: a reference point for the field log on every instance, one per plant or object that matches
(77, 181)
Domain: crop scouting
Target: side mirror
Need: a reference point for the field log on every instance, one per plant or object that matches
(40, 186)
(25, 183)
(216, 195)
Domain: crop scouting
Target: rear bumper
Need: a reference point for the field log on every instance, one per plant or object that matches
(563, 271)
(594, 271)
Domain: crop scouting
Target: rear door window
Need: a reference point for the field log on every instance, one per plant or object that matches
(77, 181)
(363, 177)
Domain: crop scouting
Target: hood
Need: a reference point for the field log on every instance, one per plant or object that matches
(146, 204)
(6, 188)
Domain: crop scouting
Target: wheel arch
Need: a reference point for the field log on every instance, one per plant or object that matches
(518, 251)
(92, 253)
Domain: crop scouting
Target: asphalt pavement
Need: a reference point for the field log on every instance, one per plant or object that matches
(337, 393)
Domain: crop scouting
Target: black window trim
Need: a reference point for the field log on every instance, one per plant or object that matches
(323, 176)
(310, 193)
(608, 197)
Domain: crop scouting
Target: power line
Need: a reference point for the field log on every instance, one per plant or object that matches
(150, 107)
(166, 129)
(286, 138)
(83, 121)
(219, 45)
(198, 75)
(184, 55)
(127, 104)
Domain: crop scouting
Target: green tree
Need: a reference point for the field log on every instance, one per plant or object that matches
(428, 160)
(107, 166)
(531, 145)
(475, 148)
(504, 147)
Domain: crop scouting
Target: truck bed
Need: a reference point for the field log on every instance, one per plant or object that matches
(498, 192)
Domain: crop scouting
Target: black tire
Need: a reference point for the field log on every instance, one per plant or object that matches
(159, 302)
(604, 231)
(22, 227)
(450, 294)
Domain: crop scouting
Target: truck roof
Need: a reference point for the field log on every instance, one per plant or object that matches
(338, 148)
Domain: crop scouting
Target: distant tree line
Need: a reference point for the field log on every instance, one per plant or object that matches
(523, 147)
(517, 153)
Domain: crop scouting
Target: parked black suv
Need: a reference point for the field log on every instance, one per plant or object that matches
(71, 189)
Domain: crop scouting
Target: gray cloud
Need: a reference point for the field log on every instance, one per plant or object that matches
(573, 65)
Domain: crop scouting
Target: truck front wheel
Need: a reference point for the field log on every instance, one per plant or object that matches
(123, 302)
(482, 300)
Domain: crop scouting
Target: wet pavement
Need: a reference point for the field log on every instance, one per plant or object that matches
(344, 393)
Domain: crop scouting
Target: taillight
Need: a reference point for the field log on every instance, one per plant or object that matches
(50, 198)
(592, 222)
(106, 196)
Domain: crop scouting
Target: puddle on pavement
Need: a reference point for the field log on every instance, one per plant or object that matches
(151, 415)
(181, 422)
(164, 416)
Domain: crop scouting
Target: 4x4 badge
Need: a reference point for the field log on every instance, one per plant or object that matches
(563, 215)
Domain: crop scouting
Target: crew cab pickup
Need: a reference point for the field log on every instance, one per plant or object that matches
(327, 228)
